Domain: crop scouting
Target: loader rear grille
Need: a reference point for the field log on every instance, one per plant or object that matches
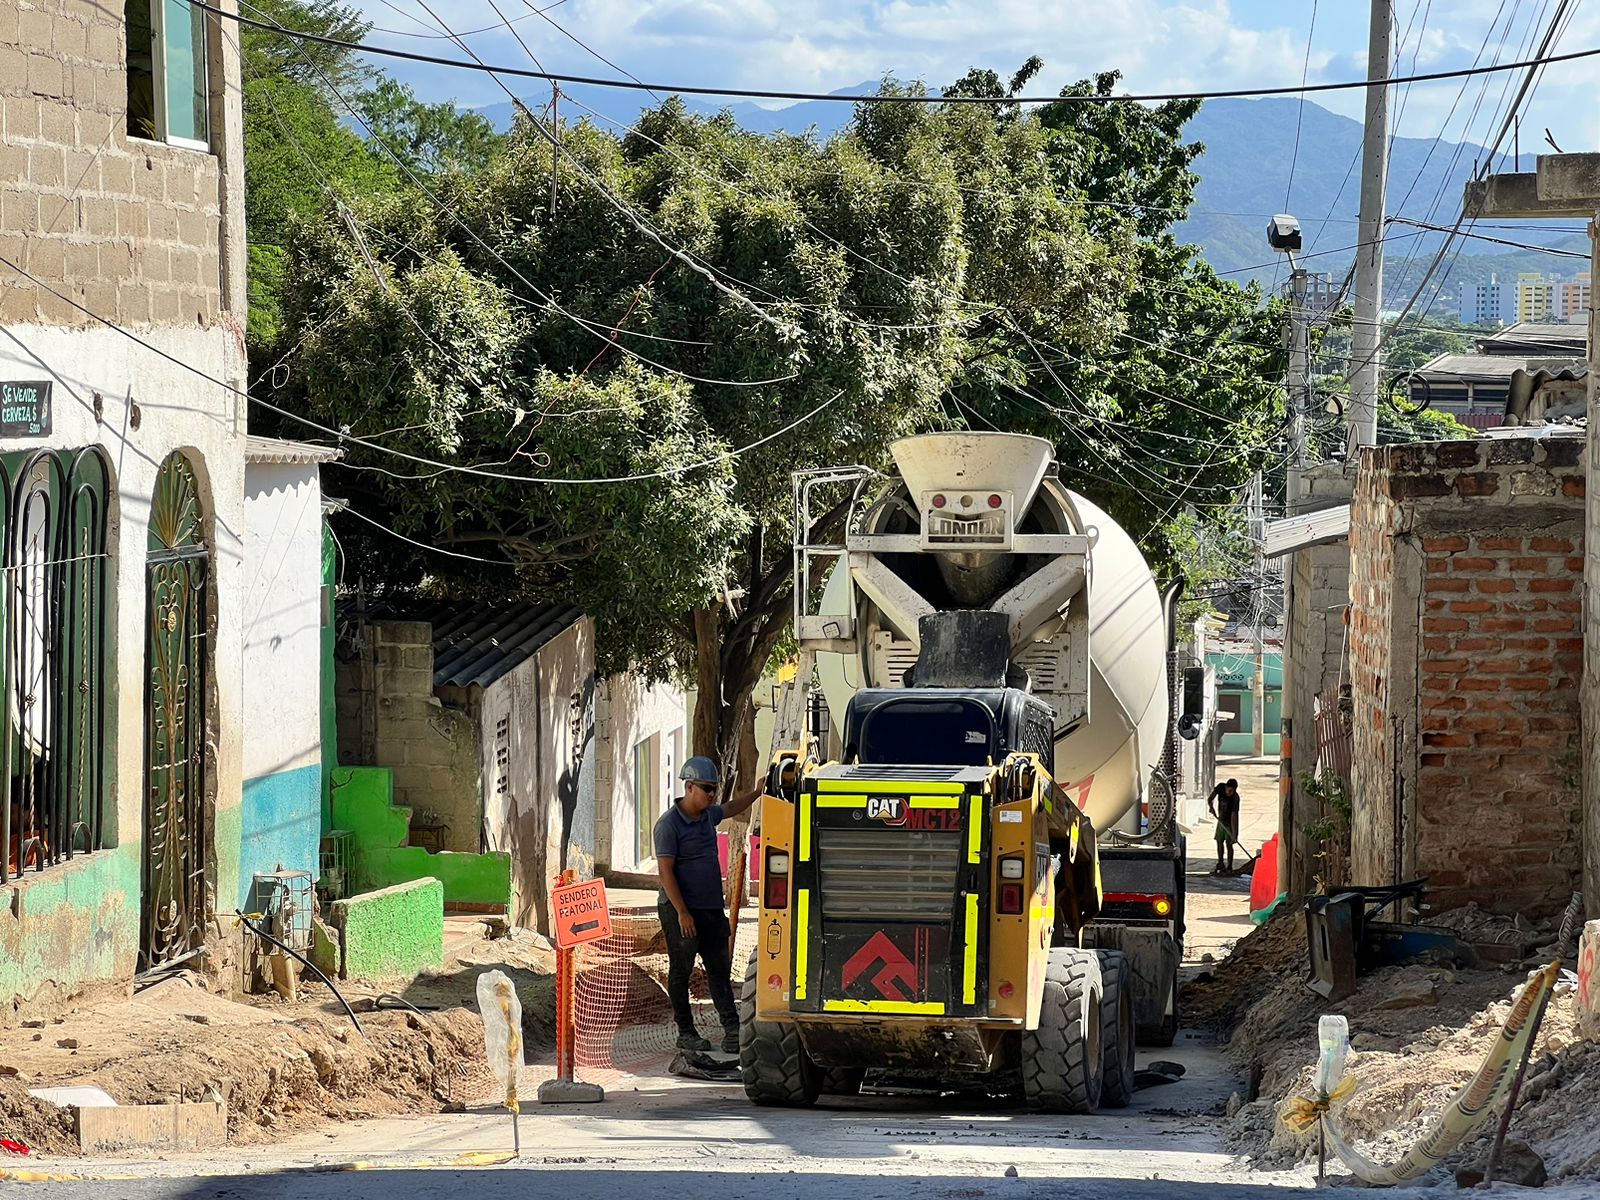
(888, 874)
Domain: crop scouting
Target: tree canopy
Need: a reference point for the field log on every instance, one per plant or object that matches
(632, 342)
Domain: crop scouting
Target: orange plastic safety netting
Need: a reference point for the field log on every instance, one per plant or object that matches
(622, 1015)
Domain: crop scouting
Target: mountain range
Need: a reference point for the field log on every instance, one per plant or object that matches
(1261, 157)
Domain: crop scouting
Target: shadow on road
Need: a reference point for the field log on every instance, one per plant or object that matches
(689, 1180)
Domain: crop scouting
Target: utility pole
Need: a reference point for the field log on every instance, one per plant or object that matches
(1299, 385)
(1366, 338)
(1258, 686)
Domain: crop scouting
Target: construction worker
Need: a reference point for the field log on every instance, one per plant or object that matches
(1223, 804)
(691, 903)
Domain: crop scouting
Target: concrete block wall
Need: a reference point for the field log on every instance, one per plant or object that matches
(389, 716)
(1466, 657)
(1314, 661)
(134, 229)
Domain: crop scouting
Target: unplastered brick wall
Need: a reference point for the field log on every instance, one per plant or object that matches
(1466, 659)
(130, 228)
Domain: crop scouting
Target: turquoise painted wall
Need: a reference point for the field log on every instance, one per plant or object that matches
(75, 924)
(281, 824)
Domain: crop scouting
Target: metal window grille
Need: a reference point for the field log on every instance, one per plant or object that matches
(53, 600)
(333, 882)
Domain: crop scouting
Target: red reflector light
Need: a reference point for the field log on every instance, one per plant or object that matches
(994, 501)
(775, 982)
(1010, 898)
(777, 892)
(1004, 991)
(939, 501)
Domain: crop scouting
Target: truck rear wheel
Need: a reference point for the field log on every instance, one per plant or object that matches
(1117, 1029)
(843, 1081)
(1062, 1061)
(772, 1061)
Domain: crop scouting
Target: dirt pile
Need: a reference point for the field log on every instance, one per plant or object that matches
(1260, 962)
(37, 1124)
(280, 1067)
(1418, 1034)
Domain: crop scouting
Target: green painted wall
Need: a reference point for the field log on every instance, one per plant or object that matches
(362, 803)
(330, 707)
(73, 925)
(228, 839)
(395, 933)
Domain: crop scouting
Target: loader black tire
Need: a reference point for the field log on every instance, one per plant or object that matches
(1117, 1030)
(843, 1081)
(1062, 1061)
(773, 1063)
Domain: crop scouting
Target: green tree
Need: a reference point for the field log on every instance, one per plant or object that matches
(1173, 401)
(430, 138)
(837, 292)
(296, 144)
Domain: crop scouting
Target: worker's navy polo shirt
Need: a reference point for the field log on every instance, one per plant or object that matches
(692, 845)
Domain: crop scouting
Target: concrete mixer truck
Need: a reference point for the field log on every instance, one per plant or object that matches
(974, 875)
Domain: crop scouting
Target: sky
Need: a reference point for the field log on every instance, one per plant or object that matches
(1159, 45)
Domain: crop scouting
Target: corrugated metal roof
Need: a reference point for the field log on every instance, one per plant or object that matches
(1307, 529)
(476, 644)
(259, 449)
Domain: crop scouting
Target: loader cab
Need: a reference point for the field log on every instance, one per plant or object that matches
(955, 727)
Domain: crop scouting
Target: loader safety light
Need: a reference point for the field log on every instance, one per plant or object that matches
(1010, 899)
(939, 501)
(1010, 868)
(994, 501)
(776, 880)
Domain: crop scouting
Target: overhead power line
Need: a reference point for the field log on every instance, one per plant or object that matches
(758, 94)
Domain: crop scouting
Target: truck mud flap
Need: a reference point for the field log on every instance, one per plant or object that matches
(1153, 955)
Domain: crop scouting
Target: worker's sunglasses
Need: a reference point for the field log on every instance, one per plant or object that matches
(710, 788)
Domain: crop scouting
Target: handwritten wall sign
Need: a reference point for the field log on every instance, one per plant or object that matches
(24, 409)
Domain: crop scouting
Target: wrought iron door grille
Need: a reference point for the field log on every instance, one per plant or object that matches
(175, 824)
(53, 601)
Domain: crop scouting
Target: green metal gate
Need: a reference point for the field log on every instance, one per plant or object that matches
(175, 833)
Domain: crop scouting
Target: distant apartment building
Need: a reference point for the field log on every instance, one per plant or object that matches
(1484, 303)
(1324, 293)
(1536, 294)
(1573, 300)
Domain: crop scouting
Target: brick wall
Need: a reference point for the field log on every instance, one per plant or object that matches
(133, 229)
(1466, 656)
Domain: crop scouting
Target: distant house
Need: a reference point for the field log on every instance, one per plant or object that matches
(1510, 366)
(500, 737)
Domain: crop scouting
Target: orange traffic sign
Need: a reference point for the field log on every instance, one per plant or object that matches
(581, 913)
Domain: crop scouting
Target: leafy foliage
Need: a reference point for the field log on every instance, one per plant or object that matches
(636, 366)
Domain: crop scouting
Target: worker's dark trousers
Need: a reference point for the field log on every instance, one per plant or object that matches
(711, 944)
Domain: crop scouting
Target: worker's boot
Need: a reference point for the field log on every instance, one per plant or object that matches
(730, 1039)
(693, 1042)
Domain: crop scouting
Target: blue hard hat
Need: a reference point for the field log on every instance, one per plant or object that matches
(699, 769)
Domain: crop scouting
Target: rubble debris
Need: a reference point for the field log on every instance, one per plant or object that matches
(1258, 963)
(1410, 1062)
(1519, 1163)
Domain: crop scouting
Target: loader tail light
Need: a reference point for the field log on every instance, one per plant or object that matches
(1010, 899)
(775, 888)
(939, 501)
(1163, 906)
(995, 501)
(1005, 991)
